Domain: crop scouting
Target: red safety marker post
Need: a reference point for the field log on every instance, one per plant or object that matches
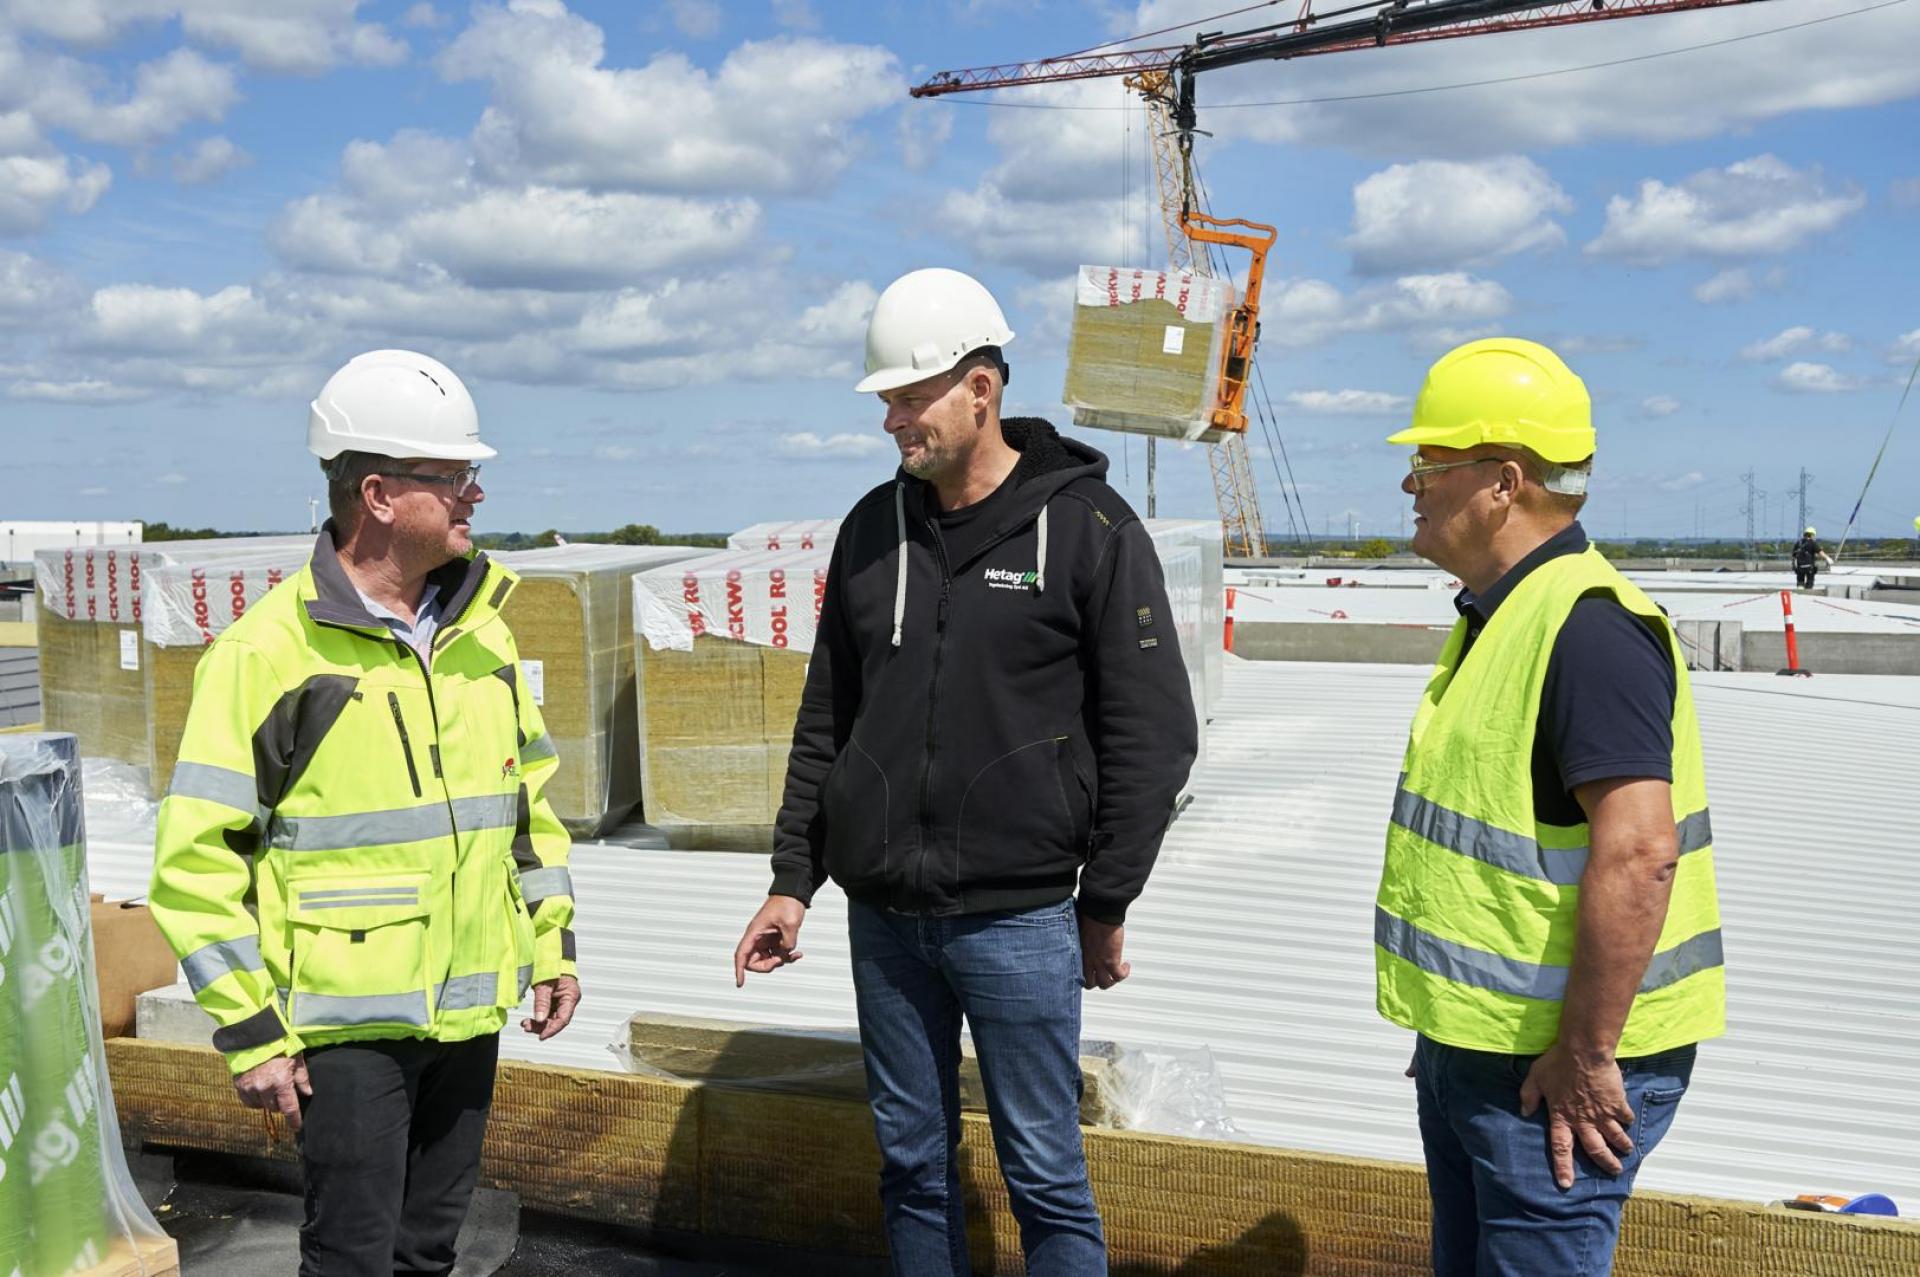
(1229, 634)
(1793, 647)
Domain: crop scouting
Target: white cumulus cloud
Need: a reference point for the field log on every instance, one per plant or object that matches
(1348, 403)
(213, 158)
(1791, 341)
(1807, 378)
(776, 116)
(1756, 207)
(805, 445)
(1440, 214)
(32, 187)
(1659, 406)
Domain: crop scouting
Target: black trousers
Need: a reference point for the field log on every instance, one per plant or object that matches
(391, 1150)
(1803, 577)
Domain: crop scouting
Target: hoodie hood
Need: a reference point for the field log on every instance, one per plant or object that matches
(1047, 464)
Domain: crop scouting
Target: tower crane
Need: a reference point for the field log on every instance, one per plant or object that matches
(1164, 76)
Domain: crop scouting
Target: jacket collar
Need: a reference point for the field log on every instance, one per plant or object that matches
(1049, 461)
(335, 601)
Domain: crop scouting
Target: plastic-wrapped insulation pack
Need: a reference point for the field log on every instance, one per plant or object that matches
(67, 1203)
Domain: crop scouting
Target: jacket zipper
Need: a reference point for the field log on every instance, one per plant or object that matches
(933, 702)
(406, 745)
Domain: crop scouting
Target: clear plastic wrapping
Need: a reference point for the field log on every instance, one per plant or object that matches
(1173, 1091)
(67, 1202)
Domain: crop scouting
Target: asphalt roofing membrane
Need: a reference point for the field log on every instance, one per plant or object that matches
(240, 1217)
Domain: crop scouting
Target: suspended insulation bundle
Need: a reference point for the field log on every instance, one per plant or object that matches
(66, 1201)
(1144, 356)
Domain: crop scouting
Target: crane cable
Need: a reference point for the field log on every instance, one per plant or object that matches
(1877, 457)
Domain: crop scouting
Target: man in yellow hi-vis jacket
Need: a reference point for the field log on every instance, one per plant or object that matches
(355, 860)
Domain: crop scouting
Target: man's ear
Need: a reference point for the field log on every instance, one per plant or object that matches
(375, 502)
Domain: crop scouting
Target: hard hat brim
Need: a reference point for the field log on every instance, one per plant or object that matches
(1472, 434)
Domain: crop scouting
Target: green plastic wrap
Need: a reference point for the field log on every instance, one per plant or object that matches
(66, 1201)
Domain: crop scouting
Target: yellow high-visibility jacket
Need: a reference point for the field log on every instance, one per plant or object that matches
(355, 844)
(1479, 902)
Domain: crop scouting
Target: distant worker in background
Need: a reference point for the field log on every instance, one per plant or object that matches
(1806, 559)
(1547, 921)
(359, 887)
(995, 726)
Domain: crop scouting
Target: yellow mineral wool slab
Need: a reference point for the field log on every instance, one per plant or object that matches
(666, 1154)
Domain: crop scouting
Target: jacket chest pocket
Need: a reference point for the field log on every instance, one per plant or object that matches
(359, 951)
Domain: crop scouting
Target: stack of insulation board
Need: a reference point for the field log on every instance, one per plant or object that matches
(795, 534)
(722, 645)
(1145, 352)
(92, 607)
(572, 616)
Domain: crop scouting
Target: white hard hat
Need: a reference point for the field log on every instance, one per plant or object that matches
(1811, 532)
(926, 322)
(395, 403)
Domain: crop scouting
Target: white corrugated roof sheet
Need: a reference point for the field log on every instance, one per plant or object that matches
(1255, 935)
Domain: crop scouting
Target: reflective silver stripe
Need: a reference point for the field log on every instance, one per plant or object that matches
(367, 902)
(538, 884)
(1464, 964)
(526, 980)
(223, 957)
(491, 811)
(311, 1009)
(538, 749)
(213, 784)
(1516, 853)
(359, 829)
(343, 893)
(1690, 957)
(463, 992)
(387, 828)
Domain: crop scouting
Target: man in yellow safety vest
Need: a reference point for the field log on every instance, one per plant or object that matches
(1547, 920)
(356, 861)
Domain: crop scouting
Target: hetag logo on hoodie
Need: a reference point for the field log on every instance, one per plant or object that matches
(1008, 579)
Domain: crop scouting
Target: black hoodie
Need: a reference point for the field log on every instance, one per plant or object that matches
(976, 735)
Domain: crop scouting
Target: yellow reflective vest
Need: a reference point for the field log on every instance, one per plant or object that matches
(1478, 905)
(355, 843)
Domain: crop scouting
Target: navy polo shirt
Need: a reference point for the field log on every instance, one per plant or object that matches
(1606, 710)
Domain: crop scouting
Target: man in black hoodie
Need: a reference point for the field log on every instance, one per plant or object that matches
(995, 725)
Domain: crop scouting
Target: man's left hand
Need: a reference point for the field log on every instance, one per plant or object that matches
(1585, 1103)
(553, 1004)
(1101, 966)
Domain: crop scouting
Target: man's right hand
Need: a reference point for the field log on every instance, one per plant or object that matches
(276, 1086)
(768, 942)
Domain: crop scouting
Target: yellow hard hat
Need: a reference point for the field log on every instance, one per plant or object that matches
(1503, 390)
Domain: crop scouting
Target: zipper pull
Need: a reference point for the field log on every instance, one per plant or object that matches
(941, 623)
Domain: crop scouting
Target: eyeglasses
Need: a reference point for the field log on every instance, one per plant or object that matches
(460, 480)
(1424, 470)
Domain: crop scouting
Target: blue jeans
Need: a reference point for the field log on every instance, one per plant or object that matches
(1015, 977)
(1496, 1210)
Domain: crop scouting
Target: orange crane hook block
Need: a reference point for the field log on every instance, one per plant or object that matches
(1243, 327)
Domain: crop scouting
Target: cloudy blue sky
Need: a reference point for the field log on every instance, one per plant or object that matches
(648, 236)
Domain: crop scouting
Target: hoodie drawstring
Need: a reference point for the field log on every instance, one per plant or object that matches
(900, 569)
(1040, 557)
